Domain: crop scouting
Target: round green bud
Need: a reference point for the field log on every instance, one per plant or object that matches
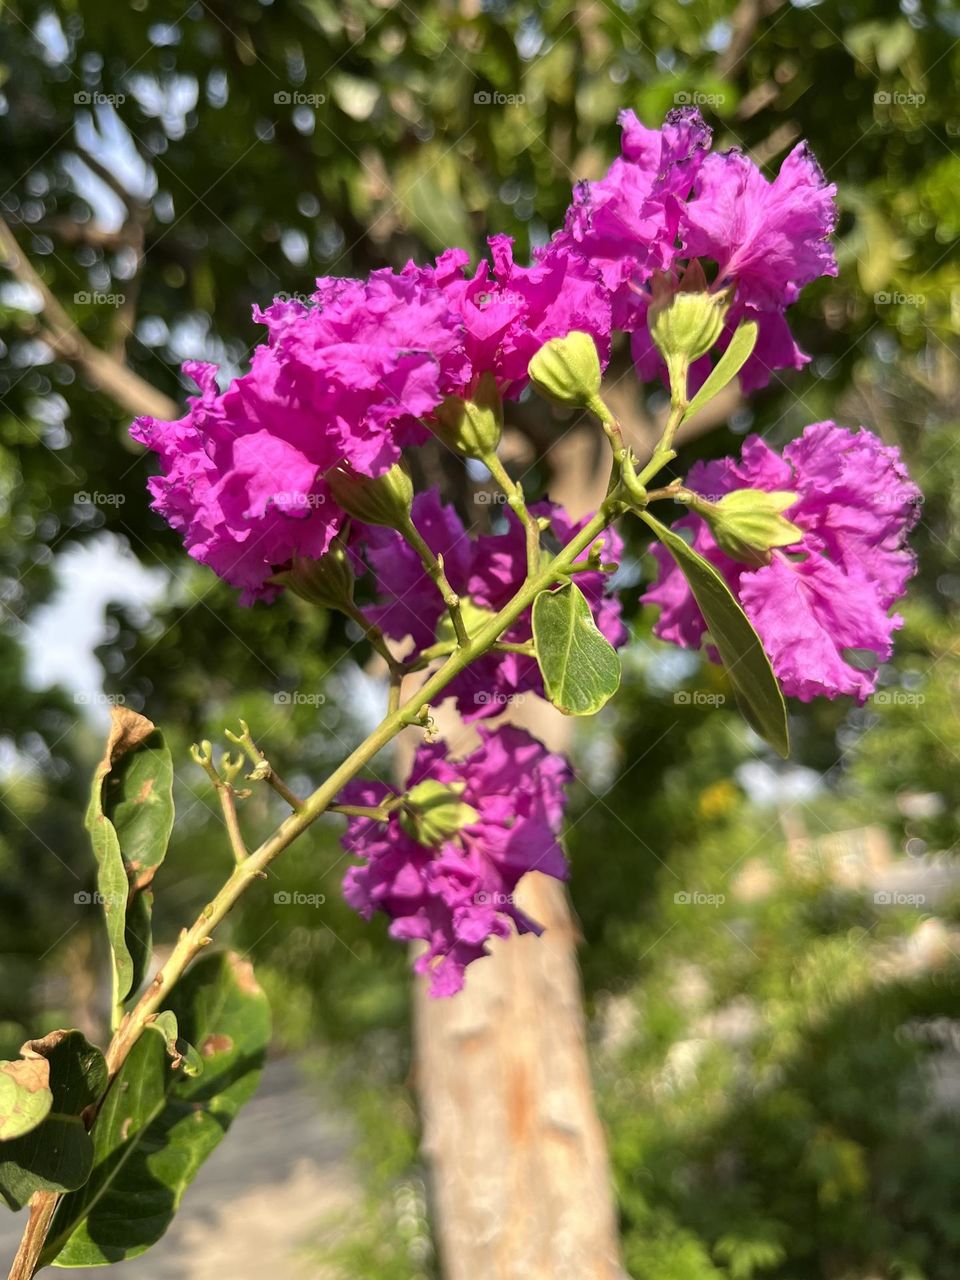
(382, 500)
(567, 370)
(472, 427)
(433, 812)
(687, 325)
(327, 582)
(748, 523)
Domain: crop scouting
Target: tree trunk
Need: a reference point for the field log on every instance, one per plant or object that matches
(520, 1178)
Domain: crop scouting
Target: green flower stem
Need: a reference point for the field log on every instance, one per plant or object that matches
(515, 499)
(228, 803)
(263, 770)
(665, 452)
(379, 813)
(193, 939)
(416, 711)
(528, 650)
(434, 567)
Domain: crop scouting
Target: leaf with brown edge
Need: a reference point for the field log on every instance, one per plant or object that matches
(129, 818)
(25, 1097)
(158, 1124)
(57, 1153)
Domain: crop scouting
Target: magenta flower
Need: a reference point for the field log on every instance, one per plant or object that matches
(345, 378)
(665, 202)
(625, 225)
(824, 601)
(508, 311)
(488, 570)
(456, 894)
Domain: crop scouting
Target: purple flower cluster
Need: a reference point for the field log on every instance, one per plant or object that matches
(825, 601)
(488, 571)
(665, 202)
(455, 896)
(353, 374)
(347, 378)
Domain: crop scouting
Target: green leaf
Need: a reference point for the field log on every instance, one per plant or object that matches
(25, 1096)
(57, 1154)
(758, 693)
(129, 819)
(727, 367)
(157, 1125)
(580, 668)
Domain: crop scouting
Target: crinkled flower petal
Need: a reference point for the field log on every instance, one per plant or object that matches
(821, 609)
(346, 378)
(456, 897)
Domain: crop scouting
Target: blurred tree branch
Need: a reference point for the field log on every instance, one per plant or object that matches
(109, 374)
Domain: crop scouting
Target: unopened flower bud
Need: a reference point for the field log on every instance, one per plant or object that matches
(685, 325)
(568, 370)
(748, 523)
(433, 813)
(382, 500)
(473, 426)
(327, 582)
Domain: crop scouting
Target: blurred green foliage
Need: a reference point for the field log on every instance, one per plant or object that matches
(767, 1115)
